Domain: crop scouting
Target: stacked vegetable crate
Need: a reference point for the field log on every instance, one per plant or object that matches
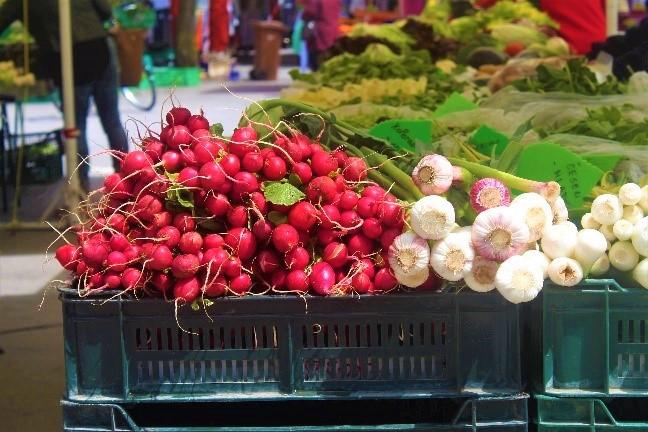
(594, 370)
(408, 361)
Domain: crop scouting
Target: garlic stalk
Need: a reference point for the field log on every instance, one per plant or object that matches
(432, 217)
(518, 279)
(452, 257)
(499, 233)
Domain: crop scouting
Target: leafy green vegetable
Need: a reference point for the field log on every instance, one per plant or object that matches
(575, 77)
(178, 196)
(216, 129)
(282, 193)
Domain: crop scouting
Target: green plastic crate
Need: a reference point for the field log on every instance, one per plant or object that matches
(271, 347)
(571, 414)
(173, 77)
(501, 414)
(595, 340)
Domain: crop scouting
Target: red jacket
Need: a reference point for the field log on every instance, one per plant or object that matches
(326, 15)
(582, 22)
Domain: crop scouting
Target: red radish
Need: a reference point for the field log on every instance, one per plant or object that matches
(268, 261)
(285, 237)
(297, 258)
(259, 202)
(172, 161)
(83, 269)
(388, 236)
(136, 235)
(335, 254)
(178, 137)
(274, 168)
(281, 208)
(185, 266)
(162, 219)
(187, 289)
(135, 161)
(323, 163)
(303, 216)
(348, 200)
(189, 177)
(244, 183)
(217, 205)
(321, 189)
(278, 278)
(303, 171)
(237, 216)
(252, 162)
(214, 259)
(133, 252)
(95, 281)
(159, 257)
(330, 216)
(132, 278)
(361, 283)
(433, 283)
(116, 261)
(169, 235)
(201, 135)
(205, 151)
(153, 148)
(117, 187)
(216, 287)
(211, 176)
(385, 280)
(232, 267)
(291, 151)
(341, 157)
(188, 157)
(230, 164)
(225, 189)
(178, 116)
(94, 252)
(262, 230)
(372, 228)
(146, 175)
(162, 282)
(375, 192)
(297, 281)
(112, 280)
(326, 236)
(315, 148)
(196, 122)
(241, 284)
(242, 242)
(322, 278)
(304, 144)
(355, 169)
(390, 213)
(147, 206)
(184, 222)
(366, 266)
(191, 243)
(243, 141)
(212, 241)
(68, 256)
(267, 152)
(340, 184)
(118, 242)
(350, 220)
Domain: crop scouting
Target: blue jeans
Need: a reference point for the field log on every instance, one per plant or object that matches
(105, 94)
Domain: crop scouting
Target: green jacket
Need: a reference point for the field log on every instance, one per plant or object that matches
(87, 20)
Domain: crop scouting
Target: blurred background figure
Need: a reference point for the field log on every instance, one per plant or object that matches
(581, 22)
(95, 66)
(321, 28)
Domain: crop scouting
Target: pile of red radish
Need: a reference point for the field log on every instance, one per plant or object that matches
(189, 216)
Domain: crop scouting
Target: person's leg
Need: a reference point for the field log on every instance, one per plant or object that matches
(106, 98)
(81, 105)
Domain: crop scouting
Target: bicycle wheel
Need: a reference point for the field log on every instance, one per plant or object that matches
(143, 99)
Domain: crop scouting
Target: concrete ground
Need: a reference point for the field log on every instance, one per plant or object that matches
(31, 343)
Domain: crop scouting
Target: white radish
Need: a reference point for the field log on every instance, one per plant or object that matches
(630, 194)
(565, 272)
(606, 209)
(623, 256)
(518, 279)
(640, 237)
